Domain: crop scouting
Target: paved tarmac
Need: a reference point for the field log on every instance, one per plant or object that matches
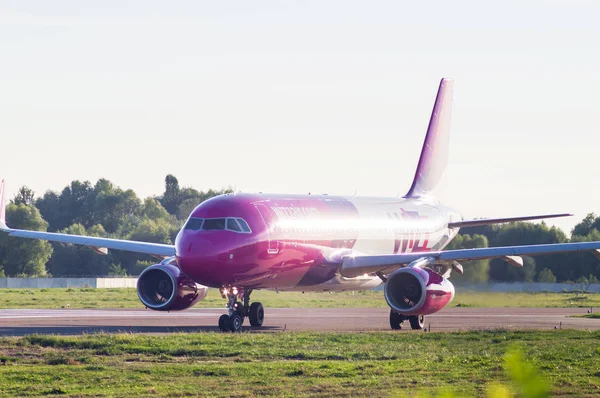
(18, 322)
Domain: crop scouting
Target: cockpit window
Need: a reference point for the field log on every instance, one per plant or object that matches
(232, 225)
(213, 224)
(194, 224)
(244, 225)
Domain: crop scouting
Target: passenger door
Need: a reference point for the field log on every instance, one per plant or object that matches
(273, 245)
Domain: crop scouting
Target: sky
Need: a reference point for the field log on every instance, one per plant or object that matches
(305, 96)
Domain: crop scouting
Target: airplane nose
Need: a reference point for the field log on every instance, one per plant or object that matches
(198, 257)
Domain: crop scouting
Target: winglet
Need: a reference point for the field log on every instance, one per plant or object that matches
(434, 155)
(3, 225)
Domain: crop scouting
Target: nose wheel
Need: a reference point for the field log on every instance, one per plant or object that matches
(238, 311)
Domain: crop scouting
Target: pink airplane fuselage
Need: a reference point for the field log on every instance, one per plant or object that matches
(297, 241)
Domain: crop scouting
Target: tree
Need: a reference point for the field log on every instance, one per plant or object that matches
(24, 195)
(153, 210)
(181, 201)
(73, 205)
(186, 207)
(23, 256)
(525, 233)
(146, 230)
(586, 225)
(76, 260)
(546, 276)
(171, 198)
(586, 282)
(474, 271)
(49, 206)
(113, 206)
(117, 270)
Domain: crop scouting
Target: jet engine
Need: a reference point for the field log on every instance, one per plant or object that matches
(417, 291)
(163, 287)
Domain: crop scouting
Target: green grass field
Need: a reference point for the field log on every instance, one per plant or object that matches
(293, 364)
(127, 298)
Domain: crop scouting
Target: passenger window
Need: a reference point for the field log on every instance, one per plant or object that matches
(232, 225)
(244, 225)
(194, 224)
(213, 224)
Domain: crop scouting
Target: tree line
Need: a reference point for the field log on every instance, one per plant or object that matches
(102, 210)
(106, 210)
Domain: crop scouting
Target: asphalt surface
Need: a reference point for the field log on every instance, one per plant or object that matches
(18, 322)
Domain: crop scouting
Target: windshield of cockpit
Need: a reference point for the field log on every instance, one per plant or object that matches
(234, 224)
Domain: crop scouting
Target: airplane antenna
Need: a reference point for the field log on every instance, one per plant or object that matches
(355, 191)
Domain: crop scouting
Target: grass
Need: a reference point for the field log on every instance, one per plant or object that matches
(127, 298)
(593, 315)
(292, 364)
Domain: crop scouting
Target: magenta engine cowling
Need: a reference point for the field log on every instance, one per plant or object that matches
(163, 287)
(417, 291)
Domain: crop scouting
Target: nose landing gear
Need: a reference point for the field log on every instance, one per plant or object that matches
(238, 311)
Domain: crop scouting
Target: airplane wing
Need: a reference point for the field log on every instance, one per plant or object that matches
(99, 245)
(353, 266)
(488, 221)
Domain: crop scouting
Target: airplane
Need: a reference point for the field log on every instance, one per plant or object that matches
(241, 242)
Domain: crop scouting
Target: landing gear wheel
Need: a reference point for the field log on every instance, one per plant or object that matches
(235, 322)
(240, 312)
(256, 314)
(396, 320)
(223, 319)
(416, 322)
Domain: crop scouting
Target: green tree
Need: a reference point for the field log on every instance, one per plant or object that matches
(23, 256)
(474, 271)
(24, 195)
(117, 270)
(146, 230)
(171, 199)
(76, 260)
(49, 206)
(586, 225)
(546, 276)
(112, 205)
(153, 210)
(525, 233)
(74, 205)
(580, 264)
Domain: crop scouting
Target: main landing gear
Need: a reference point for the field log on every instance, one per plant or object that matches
(396, 320)
(238, 311)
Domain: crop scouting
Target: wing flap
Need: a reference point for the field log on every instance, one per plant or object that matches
(353, 266)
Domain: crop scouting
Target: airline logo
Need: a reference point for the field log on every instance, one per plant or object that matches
(295, 212)
(413, 243)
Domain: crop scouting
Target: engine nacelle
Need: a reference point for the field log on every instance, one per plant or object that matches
(163, 287)
(417, 291)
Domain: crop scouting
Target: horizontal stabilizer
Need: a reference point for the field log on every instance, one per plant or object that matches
(488, 221)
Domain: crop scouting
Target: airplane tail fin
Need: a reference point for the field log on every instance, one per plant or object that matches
(434, 155)
(2, 207)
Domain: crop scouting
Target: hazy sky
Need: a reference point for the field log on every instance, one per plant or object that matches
(312, 96)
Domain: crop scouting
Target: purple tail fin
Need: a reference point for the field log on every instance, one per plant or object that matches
(434, 155)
